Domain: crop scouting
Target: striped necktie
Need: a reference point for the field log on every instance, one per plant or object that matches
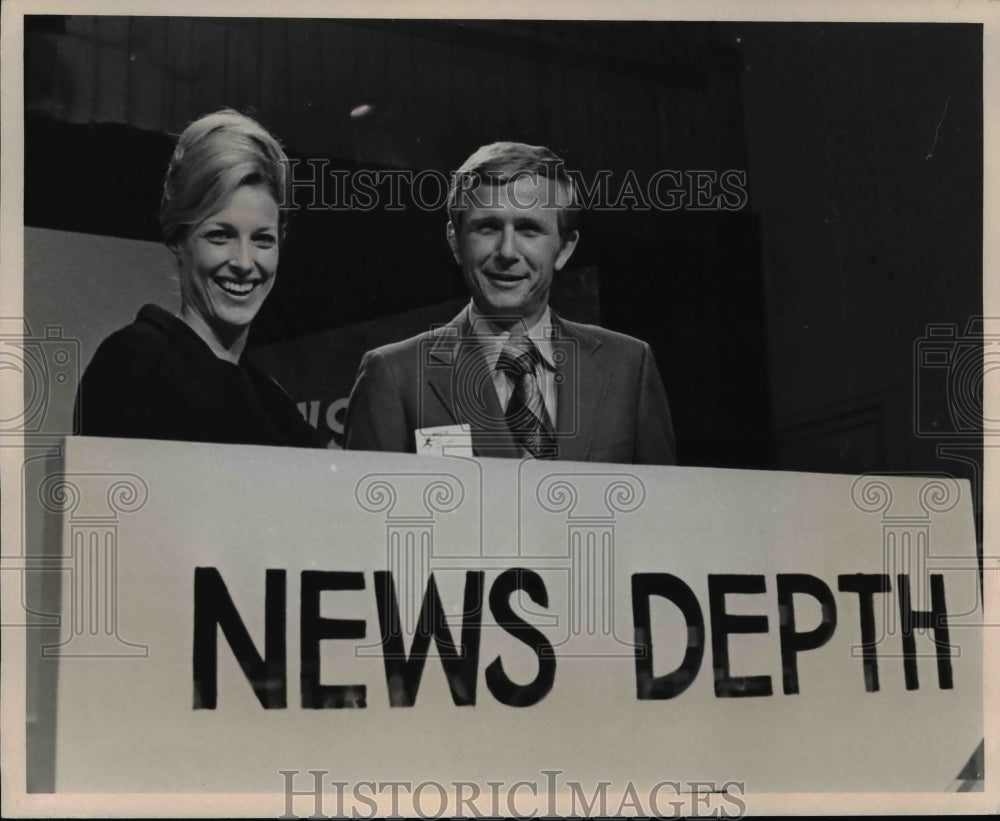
(526, 415)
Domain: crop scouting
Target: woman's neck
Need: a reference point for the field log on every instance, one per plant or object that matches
(229, 347)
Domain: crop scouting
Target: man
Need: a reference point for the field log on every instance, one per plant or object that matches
(507, 376)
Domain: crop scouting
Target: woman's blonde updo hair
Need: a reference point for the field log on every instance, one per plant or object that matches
(214, 156)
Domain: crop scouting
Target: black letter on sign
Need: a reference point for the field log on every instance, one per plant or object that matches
(935, 619)
(866, 585)
(461, 665)
(793, 642)
(723, 623)
(670, 587)
(314, 629)
(213, 606)
(503, 689)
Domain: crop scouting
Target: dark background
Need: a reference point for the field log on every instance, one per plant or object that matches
(791, 334)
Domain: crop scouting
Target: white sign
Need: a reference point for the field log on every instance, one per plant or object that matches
(234, 613)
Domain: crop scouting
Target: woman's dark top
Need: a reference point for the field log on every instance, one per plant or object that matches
(157, 379)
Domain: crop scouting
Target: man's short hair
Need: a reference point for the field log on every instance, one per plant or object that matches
(499, 163)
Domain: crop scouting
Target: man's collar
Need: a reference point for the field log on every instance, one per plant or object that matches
(540, 333)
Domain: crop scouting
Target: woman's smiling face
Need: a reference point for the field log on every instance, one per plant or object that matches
(228, 262)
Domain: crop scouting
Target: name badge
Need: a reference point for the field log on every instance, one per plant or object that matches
(445, 440)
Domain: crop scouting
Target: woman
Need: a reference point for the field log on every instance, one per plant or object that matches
(183, 376)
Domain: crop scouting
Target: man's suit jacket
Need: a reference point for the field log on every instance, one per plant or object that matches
(610, 402)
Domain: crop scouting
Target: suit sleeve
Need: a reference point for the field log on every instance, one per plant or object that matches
(654, 430)
(376, 416)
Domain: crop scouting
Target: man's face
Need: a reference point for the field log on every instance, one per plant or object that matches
(509, 246)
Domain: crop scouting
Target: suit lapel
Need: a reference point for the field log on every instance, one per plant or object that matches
(457, 374)
(581, 391)
(437, 362)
